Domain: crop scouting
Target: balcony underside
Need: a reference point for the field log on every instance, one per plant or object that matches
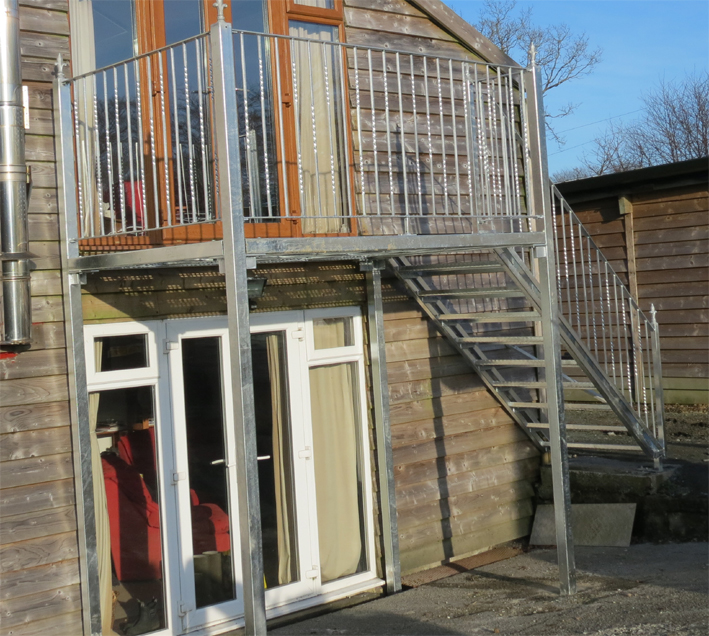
(307, 249)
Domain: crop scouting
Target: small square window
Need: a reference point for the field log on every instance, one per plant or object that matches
(117, 353)
(331, 333)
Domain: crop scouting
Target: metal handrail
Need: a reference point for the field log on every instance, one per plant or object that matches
(607, 319)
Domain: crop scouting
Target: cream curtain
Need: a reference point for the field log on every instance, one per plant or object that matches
(335, 424)
(103, 530)
(281, 461)
(317, 80)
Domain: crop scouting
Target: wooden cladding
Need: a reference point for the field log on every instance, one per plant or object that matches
(463, 469)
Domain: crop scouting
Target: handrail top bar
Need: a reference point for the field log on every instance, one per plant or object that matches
(380, 49)
(135, 58)
(348, 45)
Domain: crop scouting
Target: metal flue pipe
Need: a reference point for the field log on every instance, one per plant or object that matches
(16, 308)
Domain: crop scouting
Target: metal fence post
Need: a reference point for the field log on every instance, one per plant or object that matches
(76, 359)
(541, 200)
(382, 426)
(232, 214)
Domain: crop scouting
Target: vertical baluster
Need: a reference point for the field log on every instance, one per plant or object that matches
(556, 206)
(190, 148)
(297, 107)
(374, 134)
(264, 127)
(202, 131)
(358, 110)
(630, 357)
(465, 75)
(455, 132)
(109, 153)
(131, 166)
(324, 49)
(443, 136)
(79, 162)
(279, 100)
(416, 138)
(387, 119)
(513, 143)
(313, 120)
(616, 311)
(153, 158)
(402, 140)
(254, 197)
(178, 146)
(650, 377)
(119, 152)
(141, 155)
(91, 207)
(169, 213)
(574, 268)
(348, 159)
(587, 309)
(566, 261)
(430, 136)
(97, 146)
(502, 157)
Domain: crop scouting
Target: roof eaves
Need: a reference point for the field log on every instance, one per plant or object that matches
(466, 33)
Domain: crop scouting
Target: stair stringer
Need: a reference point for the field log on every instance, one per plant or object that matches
(525, 280)
(522, 417)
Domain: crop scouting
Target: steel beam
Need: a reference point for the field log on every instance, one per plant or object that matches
(231, 205)
(173, 254)
(359, 247)
(382, 427)
(76, 361)
(541, 202)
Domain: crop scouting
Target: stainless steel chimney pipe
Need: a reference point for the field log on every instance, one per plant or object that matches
(16, 305)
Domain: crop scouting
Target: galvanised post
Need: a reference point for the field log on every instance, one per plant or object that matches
(76, 359)
(226, 123)
(541, 200)
(659, 391)
(382, 426)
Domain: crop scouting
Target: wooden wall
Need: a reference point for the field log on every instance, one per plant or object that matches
(464, 470)
(39, 571)
(439, 170)
(666, 230)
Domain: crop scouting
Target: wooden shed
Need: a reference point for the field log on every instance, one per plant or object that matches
(653, 225)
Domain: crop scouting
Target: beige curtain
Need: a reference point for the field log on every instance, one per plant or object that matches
(281, 461)
(318, 76)
(103, 529)
(335, 424)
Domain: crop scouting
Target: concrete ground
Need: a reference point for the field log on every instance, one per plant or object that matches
(643, 590)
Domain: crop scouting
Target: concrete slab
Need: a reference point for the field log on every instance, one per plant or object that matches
(592, 524)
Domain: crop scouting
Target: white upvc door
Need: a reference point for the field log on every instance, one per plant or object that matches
(204, 473)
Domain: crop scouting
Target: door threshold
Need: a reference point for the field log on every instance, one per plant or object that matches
(300, 605)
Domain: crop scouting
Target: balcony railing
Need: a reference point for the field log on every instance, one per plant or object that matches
(335, 139)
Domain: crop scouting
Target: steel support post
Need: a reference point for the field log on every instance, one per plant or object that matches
(76, 359)
(382, 427)
(659, 391)
(541, 202)
(226, 123)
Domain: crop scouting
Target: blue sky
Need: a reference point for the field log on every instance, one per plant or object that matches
(642, 41)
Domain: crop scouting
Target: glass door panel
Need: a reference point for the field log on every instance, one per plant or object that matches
(124, 421)
(207, 476)
(204, 474)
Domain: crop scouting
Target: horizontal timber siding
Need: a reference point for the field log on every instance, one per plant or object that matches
(39, 570)
(463, 469)
(669, 226)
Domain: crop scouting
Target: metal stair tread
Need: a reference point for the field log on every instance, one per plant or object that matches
(521, 384)
(501, 316)
(521, 362)
(433, 269)
(582, 427)
(491, 292)
(569, 407)
(517, 340)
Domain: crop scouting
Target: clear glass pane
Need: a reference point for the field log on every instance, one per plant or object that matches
(276, 482)
(129, 525)
(117, 353)
(206, 457)
(329, 333)
(115, 35)
(317, 82)
(183, 19)
(339, 487)
(320, 4)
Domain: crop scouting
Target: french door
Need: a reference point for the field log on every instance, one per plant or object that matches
(161, 418)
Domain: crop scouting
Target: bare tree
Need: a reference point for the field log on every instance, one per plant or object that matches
(674, 127)
(561, 55)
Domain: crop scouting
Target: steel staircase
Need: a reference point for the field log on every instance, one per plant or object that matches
(488, 305)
